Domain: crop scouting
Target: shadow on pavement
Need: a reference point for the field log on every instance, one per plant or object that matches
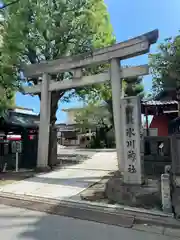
(52, 227)
(19, 223)
(17, 176)
(70, 227)
(64, 181)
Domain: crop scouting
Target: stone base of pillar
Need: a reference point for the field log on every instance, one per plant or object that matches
(143, 196)
(143, 181)
(43, 169)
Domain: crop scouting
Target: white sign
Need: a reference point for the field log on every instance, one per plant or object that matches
(16, 146)
(132, 135)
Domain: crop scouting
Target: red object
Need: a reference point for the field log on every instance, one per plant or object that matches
(14, 137)
(161, 123)
(18, 137)
(31, 137)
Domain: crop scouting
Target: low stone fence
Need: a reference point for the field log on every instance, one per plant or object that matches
(157, 154)
(175, 149)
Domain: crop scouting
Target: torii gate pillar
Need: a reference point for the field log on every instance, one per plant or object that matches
(43, 141)
(116, 84)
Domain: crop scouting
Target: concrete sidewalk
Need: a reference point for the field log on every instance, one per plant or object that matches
(67, 182)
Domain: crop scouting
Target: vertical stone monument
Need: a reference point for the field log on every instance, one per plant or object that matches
(132, 140)
(166, 193)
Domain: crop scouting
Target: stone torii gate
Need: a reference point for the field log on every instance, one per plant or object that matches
(113, 54)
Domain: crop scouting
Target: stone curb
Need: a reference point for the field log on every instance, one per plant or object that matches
(86, 204)
(136, 215)
(51, 207)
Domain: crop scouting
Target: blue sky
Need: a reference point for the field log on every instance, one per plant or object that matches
(129, 18)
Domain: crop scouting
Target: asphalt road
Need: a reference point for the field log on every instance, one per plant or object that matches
(16, 223)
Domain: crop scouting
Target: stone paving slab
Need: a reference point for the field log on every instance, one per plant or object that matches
(52, 192)
(66, 182)
(103, 159)
(106, 161)
(57, 187)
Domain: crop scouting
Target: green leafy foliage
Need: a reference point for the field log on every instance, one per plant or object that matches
(43, 30)
(102, 95)
(40, 30)
(92, 115)
(7, 86)
(98, 114)
(95, 117)
(165, 65)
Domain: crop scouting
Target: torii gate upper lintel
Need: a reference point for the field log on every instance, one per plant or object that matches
(123, 50)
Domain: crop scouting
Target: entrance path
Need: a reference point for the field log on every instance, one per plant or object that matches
(69, 181)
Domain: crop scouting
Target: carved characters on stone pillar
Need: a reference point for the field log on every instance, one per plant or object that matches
(130, 134)
(129, 115)
(132, 169)
(130, 143)
(131, 155)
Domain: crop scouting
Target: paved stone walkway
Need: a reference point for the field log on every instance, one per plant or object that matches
(69, 181)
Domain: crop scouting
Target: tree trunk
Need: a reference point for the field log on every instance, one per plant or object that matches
(110, 109)
(52, 160)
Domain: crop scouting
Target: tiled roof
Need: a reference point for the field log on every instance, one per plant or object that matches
(18, 119)
(158, 103)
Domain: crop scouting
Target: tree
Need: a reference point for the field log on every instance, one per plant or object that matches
(7, 86)
(103, 94)
(165, 65)
(6, 100)
(95, 117)
(99, 110)
(92, 115)
(42, 30)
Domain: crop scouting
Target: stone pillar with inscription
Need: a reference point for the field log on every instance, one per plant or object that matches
(166, 193)
(132, 140)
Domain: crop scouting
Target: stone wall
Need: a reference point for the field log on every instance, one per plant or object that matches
(157, 154)
(175, 146)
